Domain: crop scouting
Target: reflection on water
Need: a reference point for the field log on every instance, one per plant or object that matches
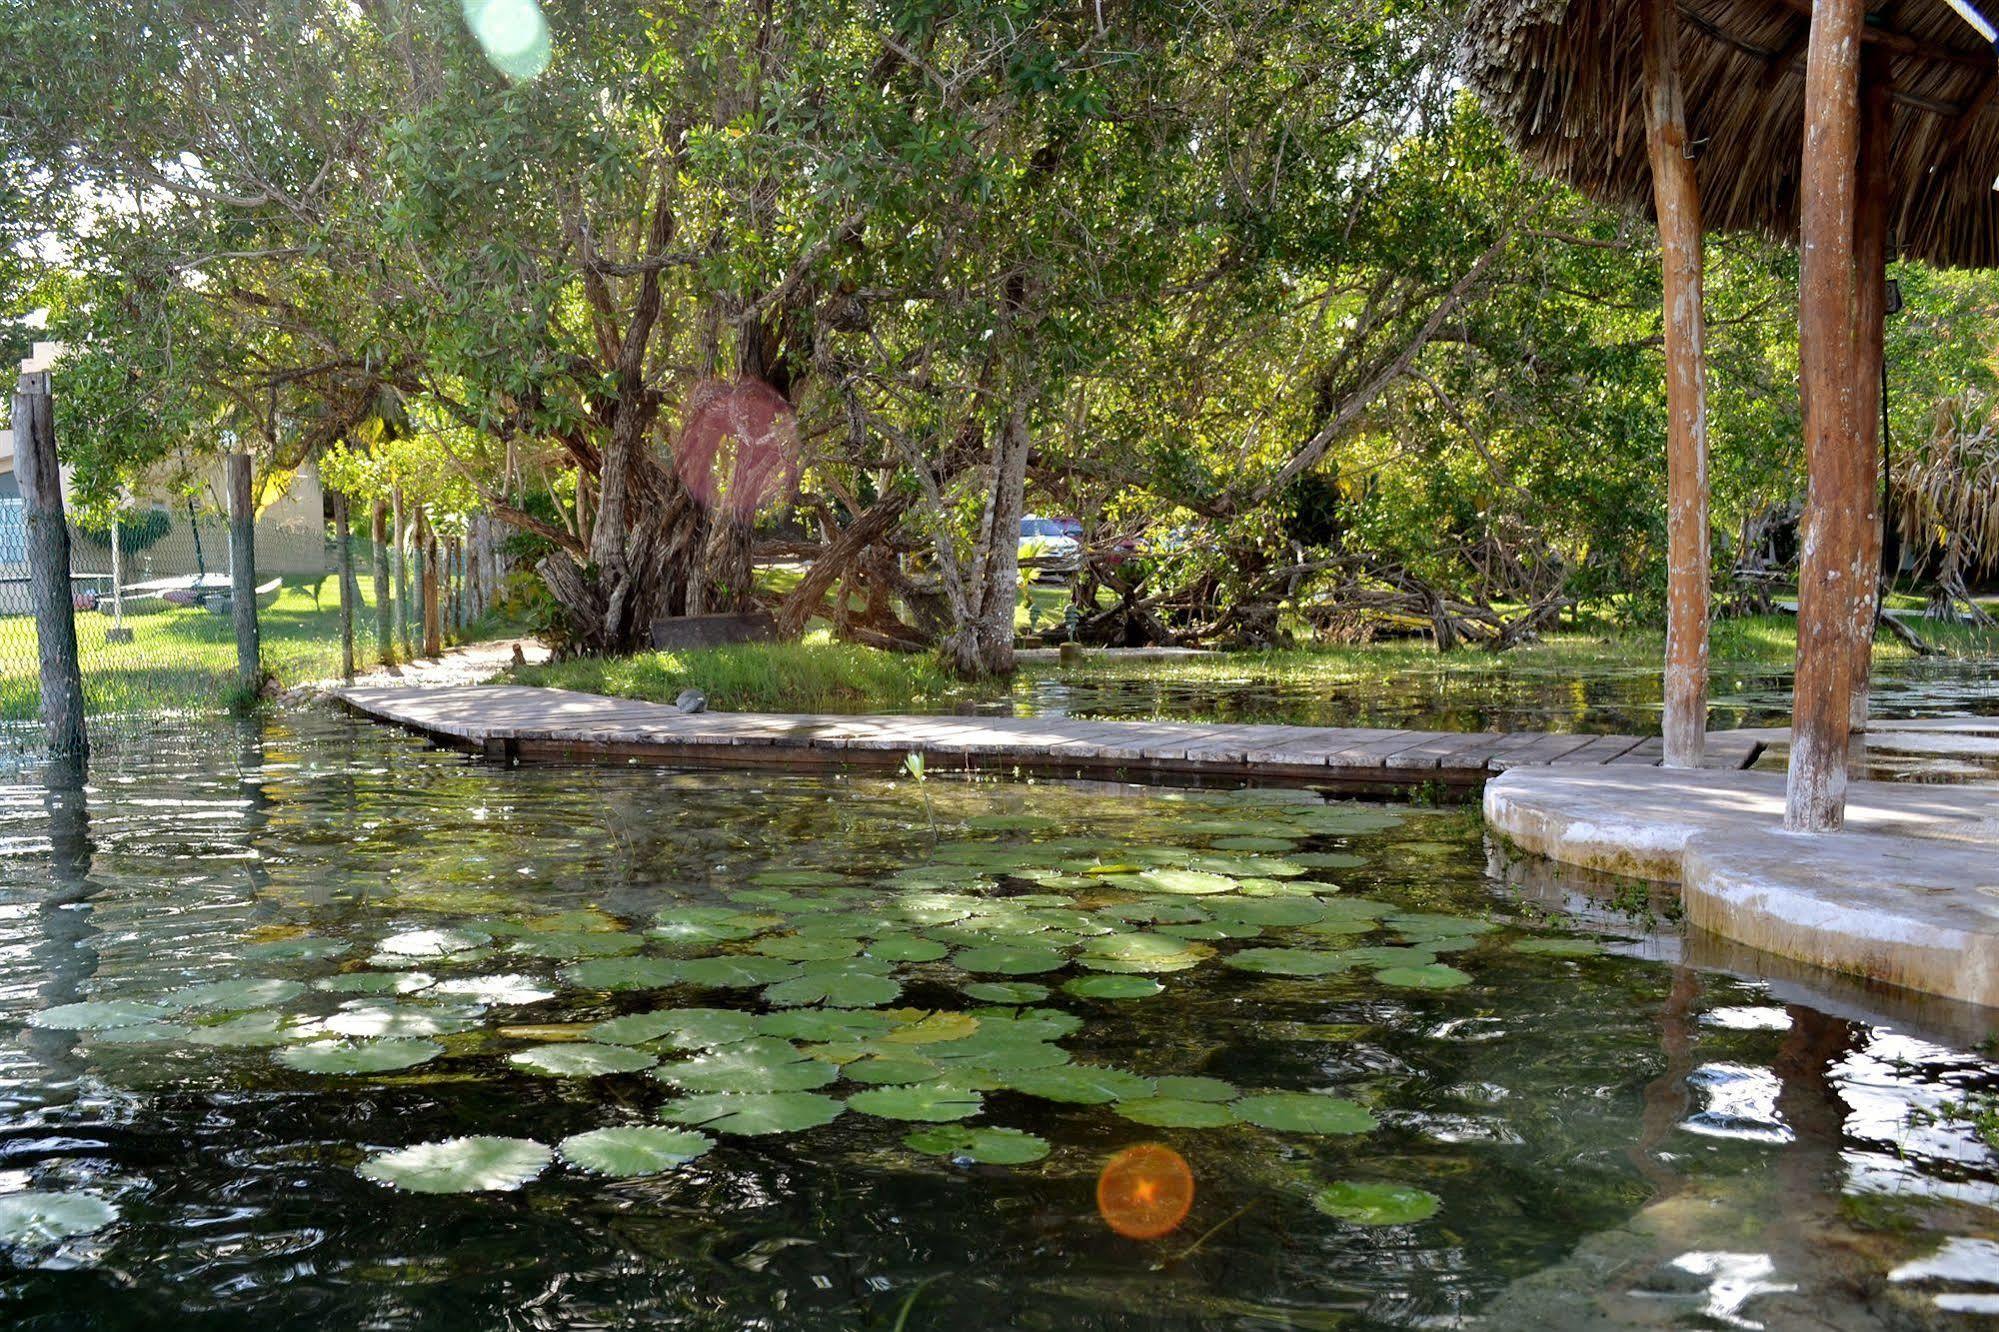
(1615, 1139)
(1504, 697)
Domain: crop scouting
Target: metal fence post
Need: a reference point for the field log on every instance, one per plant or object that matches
(385, 631)
(48, 565)
(348, 588)
(243, 575)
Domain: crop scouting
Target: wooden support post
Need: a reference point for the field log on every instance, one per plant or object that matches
(243, 575)
(433, 629)
(344, 562)
(403, 549)
(1676, 201)
(1870, 279)
(47, 536)
(385, 602)
(1835, 585)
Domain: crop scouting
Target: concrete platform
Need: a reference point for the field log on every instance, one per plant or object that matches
(1907, 894)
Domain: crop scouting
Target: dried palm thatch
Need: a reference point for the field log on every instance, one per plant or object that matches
(1564, 79)
(1945, 495)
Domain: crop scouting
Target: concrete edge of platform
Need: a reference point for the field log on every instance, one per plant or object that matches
(1908, 897)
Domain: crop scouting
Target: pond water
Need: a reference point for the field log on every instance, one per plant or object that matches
(887, 1047)
(1504, 696)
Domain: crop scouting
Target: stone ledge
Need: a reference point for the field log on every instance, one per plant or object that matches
(1907, 894)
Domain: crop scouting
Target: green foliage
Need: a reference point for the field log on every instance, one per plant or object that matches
(814, 676)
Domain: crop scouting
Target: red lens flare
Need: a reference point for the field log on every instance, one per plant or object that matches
(1145, 1191)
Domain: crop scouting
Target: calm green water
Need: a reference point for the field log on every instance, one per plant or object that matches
(1560, 1120)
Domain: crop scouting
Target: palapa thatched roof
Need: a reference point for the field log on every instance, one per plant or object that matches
(1564, 78)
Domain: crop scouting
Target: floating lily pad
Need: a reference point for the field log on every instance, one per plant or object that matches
(1171, 1112)
(459, 1165)
(376, 982)
(433, 943)
(1007, 961)
(36, 1217)
(693, 925)
(931, 1102)
(807, 947)
(97, 1015)
(502, 989)
(997, 1052)
(825, 1024)
(303, 948)
(1189, 882)
(1113, 987)
(932, 1028)
(736, 973)
(1244, 866)
(1079, 1084)
(1287, 961)
(890, 1070)
(581, 1059)
(1157, 911)
(1253, 842)
(1431, 976)
(1006, 992)
(1272, 912)
(835, 989)
(987, 1146)
(682, 1028)
(1558, 947)
(1370, 1204)
(1194, 1089)
(627, 1153)
(755, 1113)
(624, 973)
(576, 945)
(761, 1064)
(906, 948)
(145, 1033)
(253, 1030)
(1304, 1112)
(1382, 955)
(348, 1058)
(396, 1021)
(1142, 952)
(1325, 860)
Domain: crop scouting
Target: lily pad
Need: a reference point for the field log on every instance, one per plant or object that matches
(1142, 951)
(1006, 992)
(37, 1216)
(509, 988)
(1171, 1112)
(236, 994)
(1304, 1112)
(433, 943)
(303, 948)
(1371, 1204)
(349, 1058)
(624, 973)
(1113, 987)
(253, 1030)
(395, 1021)
(736, 973)
(1288, 961)
(1188, 882)
(1079, 1084)
(1274, 912)
(459, 1165)
(97, 1015)
(930, 1102)
(1432, 976)
(906, 948)
(922, 1028)
(1195, 1089)
(573, 945)
(754, 1113)
(627, 1153)
(375, 982)
(987, 1146)
(825, 1024)
(836, 989)
(1008, 961)
(761, 1064)
(688, 926)
(1157, 911)
(682, 1028)
(891, 1070)
(581, 1059)
(807, 947)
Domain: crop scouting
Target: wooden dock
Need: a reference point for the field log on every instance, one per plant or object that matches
(514, 723)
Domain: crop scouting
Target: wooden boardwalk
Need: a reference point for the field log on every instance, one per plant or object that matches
(517, 723)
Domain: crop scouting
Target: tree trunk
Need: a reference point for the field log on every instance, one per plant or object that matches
(981, 643)
(867, 530)
(385, 634)
(1870, 297)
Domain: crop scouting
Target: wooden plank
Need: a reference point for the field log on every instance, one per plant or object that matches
(1603, 749)
(1539, 751)
(1648, 753)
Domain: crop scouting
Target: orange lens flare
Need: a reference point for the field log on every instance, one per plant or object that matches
(1145, 1191)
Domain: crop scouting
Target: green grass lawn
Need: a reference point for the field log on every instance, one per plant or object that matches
(185, 659)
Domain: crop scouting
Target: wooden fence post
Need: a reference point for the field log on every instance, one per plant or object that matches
(345, 563)
(385, 605)
(48, 566)
(402, 558)
(1834, 608)
(433, 629)
(1676, 201)
(243, 575)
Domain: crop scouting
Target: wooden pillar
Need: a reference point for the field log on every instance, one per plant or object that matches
(1835, 586)
(344, 562)
(433, 630)
(243, 575)
(47, 538)
(385, 602)
(1870, 279)
(403, 550)
(1676, 201)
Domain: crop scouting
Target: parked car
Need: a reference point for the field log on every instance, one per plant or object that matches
(1054, 550)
